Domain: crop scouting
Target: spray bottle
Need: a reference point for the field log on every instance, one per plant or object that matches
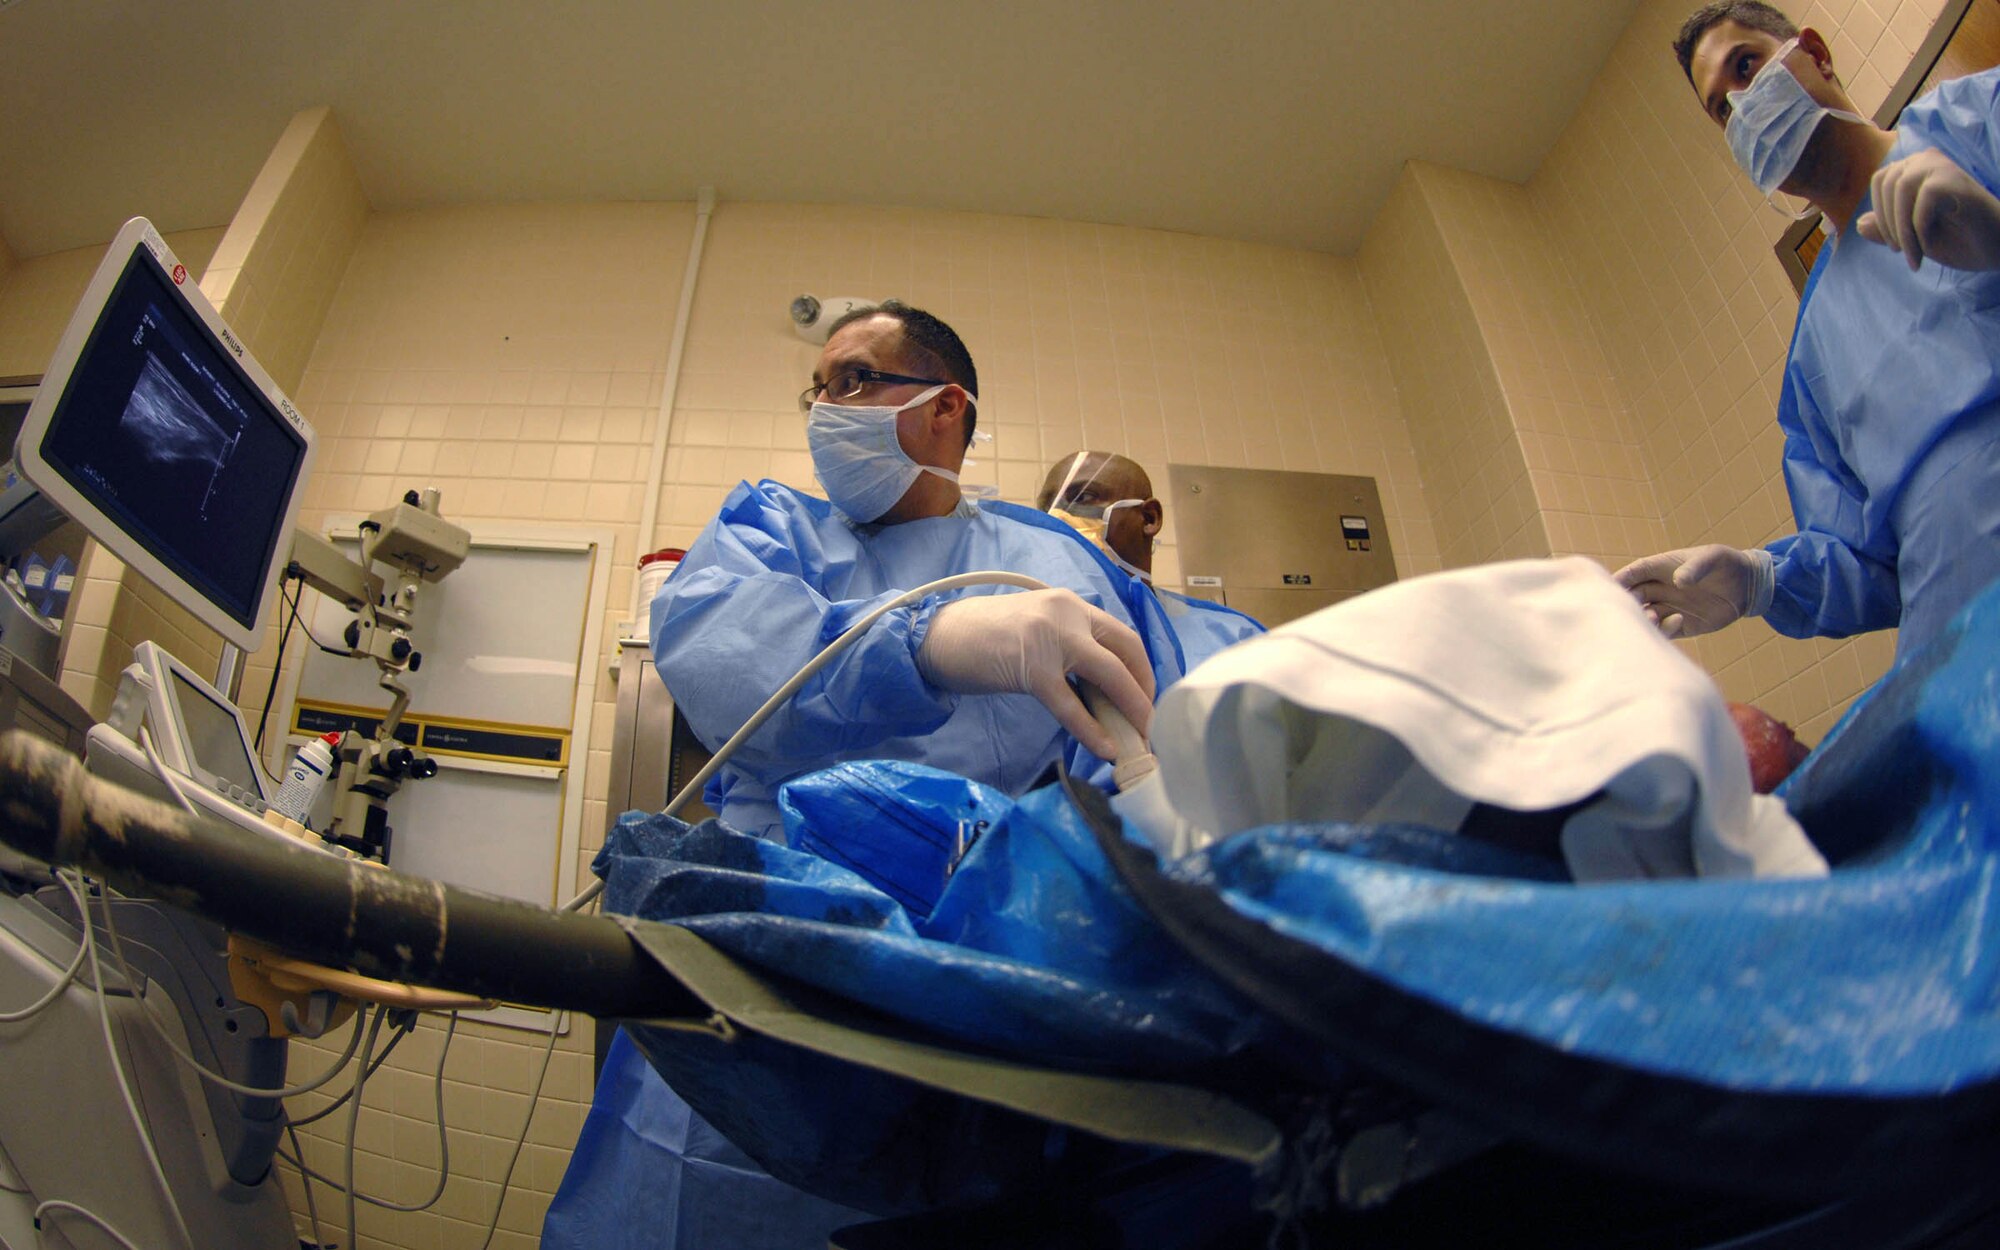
(308, 772)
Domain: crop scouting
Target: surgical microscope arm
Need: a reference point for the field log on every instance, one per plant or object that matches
(402, 547)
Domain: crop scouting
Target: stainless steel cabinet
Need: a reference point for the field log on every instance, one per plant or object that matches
(653, 752)
(1274, 543)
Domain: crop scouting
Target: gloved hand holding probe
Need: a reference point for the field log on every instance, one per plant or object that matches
(1030, 642)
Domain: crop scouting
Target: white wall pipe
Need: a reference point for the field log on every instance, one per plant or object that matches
(649, 513)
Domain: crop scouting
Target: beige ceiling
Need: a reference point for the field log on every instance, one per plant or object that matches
(1277, 122)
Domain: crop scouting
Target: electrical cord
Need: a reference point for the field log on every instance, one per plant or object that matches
(305, 1182)
(354, 1120)
(989, 577)
(278, 664)
(124, 1087)
(403, 1030)
(68, 977)
(309, 1174)
(534, 1097)
(166, 774)
(343, 652)
(444, 1150)
(57, 1204)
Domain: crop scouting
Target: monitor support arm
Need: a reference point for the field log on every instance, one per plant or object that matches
(414, 544)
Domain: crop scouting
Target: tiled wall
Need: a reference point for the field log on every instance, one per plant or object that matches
(1670, 249)
(488, 1075)
(1482, 501)
(275, 272)
(1167, 347)
(38, 295)
(1582, 454)
(514, 358)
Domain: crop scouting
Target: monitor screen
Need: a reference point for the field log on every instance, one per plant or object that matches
(214, 735)
(168, 442)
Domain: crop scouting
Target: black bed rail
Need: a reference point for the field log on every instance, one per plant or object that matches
(340, 912)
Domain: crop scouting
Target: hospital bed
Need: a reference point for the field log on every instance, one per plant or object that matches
(1422, 1139)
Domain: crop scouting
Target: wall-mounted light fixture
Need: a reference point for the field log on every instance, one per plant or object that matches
(813, 317)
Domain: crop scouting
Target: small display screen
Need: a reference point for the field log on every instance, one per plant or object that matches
(160, 429)
(214, 735)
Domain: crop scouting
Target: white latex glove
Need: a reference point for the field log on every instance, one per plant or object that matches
(1030, 642)
(1698, 590)
(1927, 206)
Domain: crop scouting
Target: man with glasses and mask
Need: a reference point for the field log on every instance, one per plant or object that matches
(1890, 403)
(1108, 500)
(975, 681)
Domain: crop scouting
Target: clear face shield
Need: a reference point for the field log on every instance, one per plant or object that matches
(1091, 492)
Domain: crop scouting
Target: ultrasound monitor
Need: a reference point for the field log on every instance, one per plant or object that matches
(196, 730)
(157, 431)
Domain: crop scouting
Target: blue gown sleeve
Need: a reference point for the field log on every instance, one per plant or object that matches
(1829, 582)
(746, 609)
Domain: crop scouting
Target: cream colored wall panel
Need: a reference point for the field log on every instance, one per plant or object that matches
(38, 296)
(1145, 342)
(1452, 402)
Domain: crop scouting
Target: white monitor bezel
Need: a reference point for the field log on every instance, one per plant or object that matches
(136, 234)
(164, 711)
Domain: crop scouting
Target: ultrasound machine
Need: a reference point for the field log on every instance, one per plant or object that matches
(161, 435)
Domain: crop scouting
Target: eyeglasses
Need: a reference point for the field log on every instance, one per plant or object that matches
(848, 383)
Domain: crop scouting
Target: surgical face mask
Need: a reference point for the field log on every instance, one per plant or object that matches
(858, 459)
(1771, 122)
(1090, 520)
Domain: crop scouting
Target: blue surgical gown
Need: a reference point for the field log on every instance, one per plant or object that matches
(1204, 628)
(775, 577)
(779, 574)
(1891, 415)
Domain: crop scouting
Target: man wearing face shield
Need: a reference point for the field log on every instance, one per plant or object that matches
(1108, 499)
(1890, 403)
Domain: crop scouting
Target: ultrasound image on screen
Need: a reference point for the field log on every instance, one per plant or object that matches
(162, 431)
(170, 428)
